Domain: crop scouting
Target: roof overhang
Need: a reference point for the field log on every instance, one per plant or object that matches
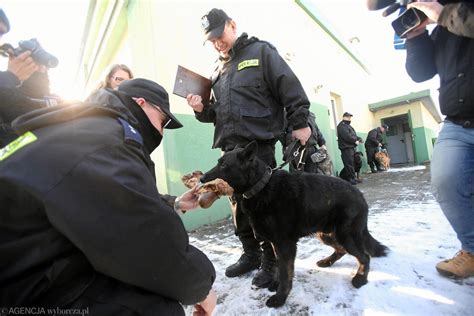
(423, 96)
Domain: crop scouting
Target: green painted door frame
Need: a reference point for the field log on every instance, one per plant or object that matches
(410, 124)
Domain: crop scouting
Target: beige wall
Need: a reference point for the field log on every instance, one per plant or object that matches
(415, 110)
(428, 120)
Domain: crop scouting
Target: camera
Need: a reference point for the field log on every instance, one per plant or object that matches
(38, 54)
(407, 21)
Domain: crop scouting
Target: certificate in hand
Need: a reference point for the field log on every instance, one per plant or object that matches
(187, 82)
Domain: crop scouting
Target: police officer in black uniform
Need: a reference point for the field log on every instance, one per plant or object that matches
(253, 89)
(373, 142)
(347, 141)
(82, 223)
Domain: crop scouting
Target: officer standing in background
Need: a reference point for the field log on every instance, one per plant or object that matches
(347, 141)
(253, 89)
(372, 143)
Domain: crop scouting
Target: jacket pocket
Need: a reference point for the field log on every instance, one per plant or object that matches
(255, 123)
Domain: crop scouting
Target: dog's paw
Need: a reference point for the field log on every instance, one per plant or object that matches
(359, 280)
(276, 300)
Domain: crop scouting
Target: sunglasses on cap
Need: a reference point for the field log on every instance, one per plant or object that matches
(166, 120)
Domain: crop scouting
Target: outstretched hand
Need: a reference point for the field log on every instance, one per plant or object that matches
(189, 199)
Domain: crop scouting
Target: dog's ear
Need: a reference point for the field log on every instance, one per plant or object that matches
(249, 151)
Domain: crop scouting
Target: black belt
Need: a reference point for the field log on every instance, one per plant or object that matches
(464, 122)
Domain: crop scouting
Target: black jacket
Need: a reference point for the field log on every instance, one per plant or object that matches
(251, 92)
(374, 138)
(79, 199)
(346, 136)
(451, 56)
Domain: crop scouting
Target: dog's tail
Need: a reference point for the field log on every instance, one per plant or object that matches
(373, 246)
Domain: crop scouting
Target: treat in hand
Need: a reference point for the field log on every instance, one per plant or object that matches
(208, 192)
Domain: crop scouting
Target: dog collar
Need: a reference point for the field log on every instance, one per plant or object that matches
(259, 185)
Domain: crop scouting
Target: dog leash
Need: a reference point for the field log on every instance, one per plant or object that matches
(293, 151)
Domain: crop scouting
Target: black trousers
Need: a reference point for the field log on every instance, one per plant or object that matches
(371, 157)
(110, 297)
(243, 229)
(347, 156)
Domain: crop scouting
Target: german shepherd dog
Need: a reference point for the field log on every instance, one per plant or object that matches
(283, 207)
(383, 159)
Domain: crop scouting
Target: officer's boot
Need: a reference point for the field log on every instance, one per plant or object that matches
(267, 272)
(248, 261)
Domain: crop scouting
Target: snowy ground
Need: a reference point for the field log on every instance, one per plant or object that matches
(404, 216)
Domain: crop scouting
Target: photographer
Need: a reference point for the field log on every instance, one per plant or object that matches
(449, 52)
(14, 102)
(20, 67)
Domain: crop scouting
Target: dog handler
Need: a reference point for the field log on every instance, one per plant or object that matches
(253, 88)
(82, 223)
(374, 140)
(449, 52)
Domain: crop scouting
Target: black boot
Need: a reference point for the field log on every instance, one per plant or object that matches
(267, 272)
(248, 261)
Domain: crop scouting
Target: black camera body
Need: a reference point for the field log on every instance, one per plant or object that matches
(407, 21)
(38, 54)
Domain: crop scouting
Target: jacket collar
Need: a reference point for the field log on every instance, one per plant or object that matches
(240, 43)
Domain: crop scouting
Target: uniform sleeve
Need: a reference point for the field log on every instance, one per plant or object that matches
(458, 18)
(286, 88)
(420, 61)
(8, 80)
(208, 115)
(108, 206)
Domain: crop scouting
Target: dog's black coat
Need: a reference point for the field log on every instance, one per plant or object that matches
(291, 206)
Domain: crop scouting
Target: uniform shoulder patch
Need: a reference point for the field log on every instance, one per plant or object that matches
(17, 144)
(130, 133)
(248, 63)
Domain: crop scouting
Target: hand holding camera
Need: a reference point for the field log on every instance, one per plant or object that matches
(22, 66)
(412, 21)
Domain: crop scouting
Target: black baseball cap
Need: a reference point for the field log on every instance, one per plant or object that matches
(152, 92)
(213, 23)
(347, 114)
(385, 126)
(4, 19)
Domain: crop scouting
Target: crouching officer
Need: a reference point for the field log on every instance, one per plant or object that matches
(83, 225)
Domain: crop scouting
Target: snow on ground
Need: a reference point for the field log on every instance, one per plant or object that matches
(404, 217)
(406, 169)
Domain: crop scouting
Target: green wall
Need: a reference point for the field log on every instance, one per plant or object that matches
(423, 143)
(188, 149)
